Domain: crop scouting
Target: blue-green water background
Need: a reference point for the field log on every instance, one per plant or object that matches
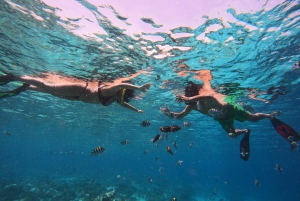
(35, 162)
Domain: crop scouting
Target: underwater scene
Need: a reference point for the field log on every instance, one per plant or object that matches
(149, 100)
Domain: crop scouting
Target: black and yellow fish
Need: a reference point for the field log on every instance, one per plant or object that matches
(98, 150)
(174, 199)
(145, 123)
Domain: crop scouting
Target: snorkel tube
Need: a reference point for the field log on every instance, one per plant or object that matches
(122, 95)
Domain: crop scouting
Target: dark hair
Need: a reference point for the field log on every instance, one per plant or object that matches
(192, 89)
(129, 94)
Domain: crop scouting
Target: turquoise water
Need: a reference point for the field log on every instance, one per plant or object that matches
(46, 156)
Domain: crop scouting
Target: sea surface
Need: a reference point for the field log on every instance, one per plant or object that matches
(250, 47)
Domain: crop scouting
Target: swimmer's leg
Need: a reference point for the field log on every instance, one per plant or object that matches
(7, 94)
(5, 78)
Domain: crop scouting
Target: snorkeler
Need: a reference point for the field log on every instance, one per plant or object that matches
(204, 99)
(70, 88)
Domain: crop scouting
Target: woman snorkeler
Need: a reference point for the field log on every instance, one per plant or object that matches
(72, 88)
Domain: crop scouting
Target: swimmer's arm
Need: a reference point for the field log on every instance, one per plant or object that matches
(180, 98)
(113, 89)
(183, 113)
(128, 106)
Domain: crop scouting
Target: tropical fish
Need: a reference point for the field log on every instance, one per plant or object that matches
(158, 138)
(145, 123)
(146, 151)
(155, 138)
(294, 145)
(179, 162)
(98, 150)
(256, 182)
(161, 170)
(149, 179)
(215, 112)
(175, 128)
(125, 142)
(7, 133)
(186, 124)
(191, 144)
(175, 144)
(165, 129)
(174, 199)
(278, 168)
(169, 150)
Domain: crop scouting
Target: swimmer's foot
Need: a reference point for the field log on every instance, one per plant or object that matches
(5, 78)
(275, 113)
(7, 94)
(238, 133)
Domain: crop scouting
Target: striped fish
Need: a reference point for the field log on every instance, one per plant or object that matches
(98, 150)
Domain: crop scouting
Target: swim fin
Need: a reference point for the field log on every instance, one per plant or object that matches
(5, 78)
(245, 147)
(285, 130)
(7, 94)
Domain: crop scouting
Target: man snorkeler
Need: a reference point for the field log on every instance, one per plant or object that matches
(204, 99)
(207, 101)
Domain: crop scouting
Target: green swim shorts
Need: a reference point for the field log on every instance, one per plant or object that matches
(234, 112)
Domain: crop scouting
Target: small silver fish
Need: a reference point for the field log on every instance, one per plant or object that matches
(215, 112)
(186, 124)
(175, 144)
(161, 170)
(191, 144)
(179, 162)
(257, 184)
(278, 168)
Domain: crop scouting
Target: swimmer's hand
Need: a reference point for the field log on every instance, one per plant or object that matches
(145, 87)
(166, 111)
(140, 111)
(181, 98)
